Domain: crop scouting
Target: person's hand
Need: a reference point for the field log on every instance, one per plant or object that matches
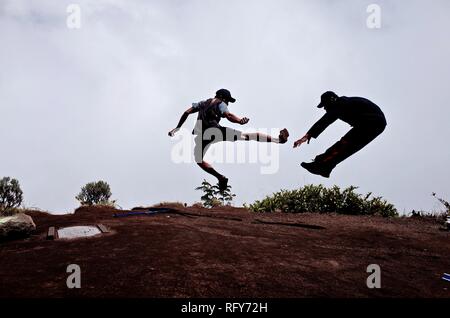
(173, 131)
(305, 138)
(244, 120)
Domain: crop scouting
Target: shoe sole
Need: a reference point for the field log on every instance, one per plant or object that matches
(313, 172)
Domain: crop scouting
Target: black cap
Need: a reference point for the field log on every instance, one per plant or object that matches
(327, 98)
(225, 94)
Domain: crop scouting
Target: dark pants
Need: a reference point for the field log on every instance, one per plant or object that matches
(356, 139)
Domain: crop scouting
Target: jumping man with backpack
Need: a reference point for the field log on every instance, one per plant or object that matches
(208, 131)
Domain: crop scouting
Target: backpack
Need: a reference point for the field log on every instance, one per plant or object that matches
(209, 114)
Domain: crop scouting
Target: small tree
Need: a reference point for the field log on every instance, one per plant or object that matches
(213, 197)
(444, 202)
(95, 193)
(11, 195)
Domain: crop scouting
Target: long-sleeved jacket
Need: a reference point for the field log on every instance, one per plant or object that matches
(356, 111)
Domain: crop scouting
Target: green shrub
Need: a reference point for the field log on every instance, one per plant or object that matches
(95, 193)
(213, 197)
(317, 198)
(11, 196)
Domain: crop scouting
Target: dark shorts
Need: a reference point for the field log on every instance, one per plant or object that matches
(212, 136)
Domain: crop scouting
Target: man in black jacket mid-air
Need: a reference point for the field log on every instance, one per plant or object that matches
(365, 117)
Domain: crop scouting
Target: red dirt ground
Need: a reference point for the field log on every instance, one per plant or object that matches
(229, 252)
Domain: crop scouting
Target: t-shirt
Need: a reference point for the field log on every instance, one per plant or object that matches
(223, 108)
(209, 114)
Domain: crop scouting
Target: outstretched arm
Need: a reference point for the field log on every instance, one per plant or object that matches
(321, 125)
(235, 119)
(316, 129)
(182, 120)
(305, 138)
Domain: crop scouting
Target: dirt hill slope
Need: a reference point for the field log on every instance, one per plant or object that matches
(229, 253)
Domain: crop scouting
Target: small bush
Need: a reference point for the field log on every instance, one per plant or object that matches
(212, 197)
(95, 193)
(11, 196)
(197, 205)
(312, 198)
(173, 205)
(440, 217)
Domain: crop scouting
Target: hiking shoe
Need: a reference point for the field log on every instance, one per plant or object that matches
(315, 168)
(223, 184)
(283, 137)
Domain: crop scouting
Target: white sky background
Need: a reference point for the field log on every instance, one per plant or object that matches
(96, 103)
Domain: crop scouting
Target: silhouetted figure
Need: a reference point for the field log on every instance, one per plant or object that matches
(208, 130)
(365, 117)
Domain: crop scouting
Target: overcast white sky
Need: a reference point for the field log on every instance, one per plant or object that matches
(97, 102)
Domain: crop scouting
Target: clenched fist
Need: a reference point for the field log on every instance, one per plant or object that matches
(244, 121)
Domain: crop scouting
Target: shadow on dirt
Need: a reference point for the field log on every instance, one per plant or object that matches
(306, 226)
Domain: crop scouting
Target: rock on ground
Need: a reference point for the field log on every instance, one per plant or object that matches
(19, 225)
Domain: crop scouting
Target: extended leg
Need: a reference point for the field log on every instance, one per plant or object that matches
(260, 137)
(352, 142)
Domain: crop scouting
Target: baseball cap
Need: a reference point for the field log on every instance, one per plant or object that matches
(327, 98)
(225, 94)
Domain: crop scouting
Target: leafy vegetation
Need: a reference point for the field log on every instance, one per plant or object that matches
(317, 198)
(95, 193)
(444, 202)
(11, 196)
(213, 197)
